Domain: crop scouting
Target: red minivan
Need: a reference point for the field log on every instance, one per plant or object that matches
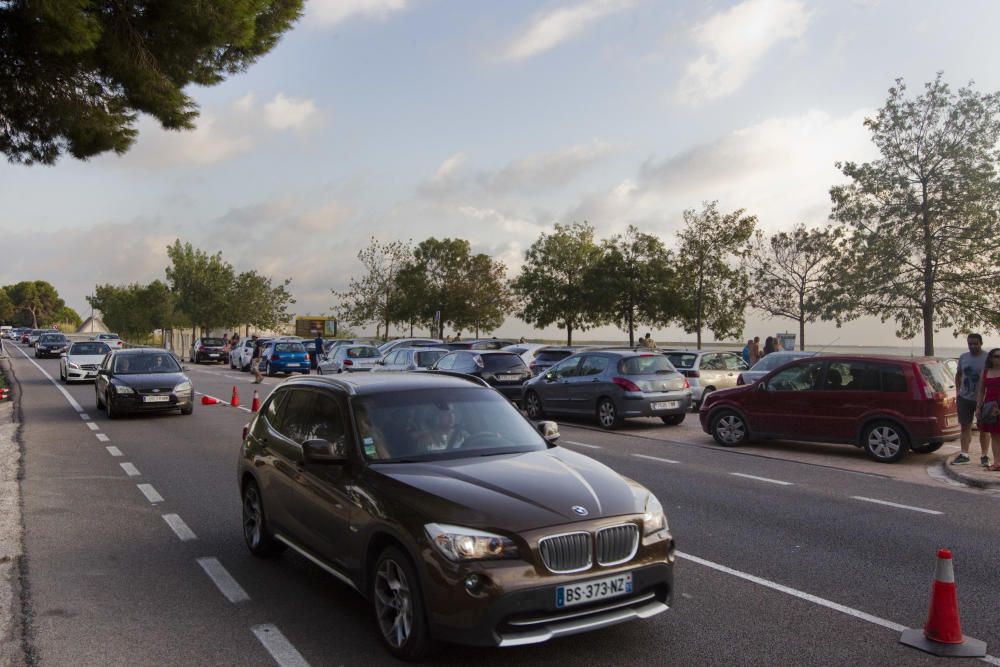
(885, 405)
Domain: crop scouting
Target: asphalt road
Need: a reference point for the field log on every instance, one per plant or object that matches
(135, 555)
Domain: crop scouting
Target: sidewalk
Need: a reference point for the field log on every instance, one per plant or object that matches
(972, 473)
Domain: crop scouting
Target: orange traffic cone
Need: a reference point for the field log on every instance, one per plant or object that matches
(208, 400)
(3, 393)
(235, 400)
(942, 635)
(255, 404)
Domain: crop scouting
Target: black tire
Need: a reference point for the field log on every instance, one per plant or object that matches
(62, 375)
(188, 409)
(256, 533)
(268, 371)
(729, 428)
(533, 405)
(245, 369)
(607, 414)
(97, 400)
(672, 420)
(395, 594)
(885, 441)
(197, 358)
(109, 409)
(926, 448)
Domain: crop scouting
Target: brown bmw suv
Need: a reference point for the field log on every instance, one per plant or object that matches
(456, 517)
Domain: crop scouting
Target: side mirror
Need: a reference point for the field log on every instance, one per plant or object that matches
(102, 371)
(549, 431)
(323, 451)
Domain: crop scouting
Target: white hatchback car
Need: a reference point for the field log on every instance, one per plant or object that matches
(112, 339)
(81, 360)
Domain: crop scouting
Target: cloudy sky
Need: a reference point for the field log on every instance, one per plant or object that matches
(492, 121)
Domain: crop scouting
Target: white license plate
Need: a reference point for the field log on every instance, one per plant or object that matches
(597, 589)
(213, 355)
(292, 364)
(155, 399)
(508, 378)
(666, 405)
(951, 420)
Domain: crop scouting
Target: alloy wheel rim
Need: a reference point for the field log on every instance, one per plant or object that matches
(730, 428)
(607, 413)
(393, 603)
(251, 517)
(532, 405)
(884, 442)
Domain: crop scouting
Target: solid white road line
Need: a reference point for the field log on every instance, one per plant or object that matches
(654, 458)
(902, 507)
(150, 493)
(761, 479)
(582, 444)
(223, 580)
(102, 437)
(179, 527)
(280, 648)
(92, 426)
(72, 401)
(130, 469)
(114, 451)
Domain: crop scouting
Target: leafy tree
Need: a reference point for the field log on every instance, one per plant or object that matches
(259, 302)
(634, 281)
(920, 220)
(487, 294)
(7, 309)
(202, 285)
(433, 281)
(373, 297)
(554, 285)
(790, 272)
(37, 300)
(75, 74)
(135, 310)
(68, 316)
(709, 246)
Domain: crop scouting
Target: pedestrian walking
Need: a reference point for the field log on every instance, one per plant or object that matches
(748, 352)
(318, 350)
(970, 369)
(988, 408)
(255, 361)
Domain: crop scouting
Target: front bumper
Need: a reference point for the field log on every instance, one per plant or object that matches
(46, 352)
(73, 374)
(642, 404)
(135, 402)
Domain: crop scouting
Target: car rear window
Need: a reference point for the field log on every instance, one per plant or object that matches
(216, 342)
(89, 349)
(552, 355)
(937, 376)
(503, 362)
(362, 352)
(646, 364)
(289, 347)
(682, 360)
(428, 358)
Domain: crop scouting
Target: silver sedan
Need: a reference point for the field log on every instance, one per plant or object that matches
(81, 360)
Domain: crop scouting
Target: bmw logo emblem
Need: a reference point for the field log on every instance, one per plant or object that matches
(582, 511)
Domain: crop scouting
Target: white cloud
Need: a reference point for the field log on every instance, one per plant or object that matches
(448, 168)
(332, 12)
(284, 113)
(548, 29)
(734, 41)
(546, 170)
(209, 142)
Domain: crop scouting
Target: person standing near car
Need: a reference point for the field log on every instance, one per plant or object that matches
(255, 360)
(970, 369)
(988, 407)
(318, 343)
(755, 353)
(748, 352)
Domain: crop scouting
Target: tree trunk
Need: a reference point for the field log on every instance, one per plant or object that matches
(569, 334)
(928, 305)
(411, 328)
(698, 306)
(631, 326)
(802, 320)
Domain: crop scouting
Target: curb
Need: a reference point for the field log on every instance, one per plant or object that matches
(955, 472)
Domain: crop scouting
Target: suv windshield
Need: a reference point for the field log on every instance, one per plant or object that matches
(646, 364)
(503, 362)
(52, 338)
(431, 424)
(154, 362)
(89, 349)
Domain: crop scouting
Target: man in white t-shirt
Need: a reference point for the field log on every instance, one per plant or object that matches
(970, 370)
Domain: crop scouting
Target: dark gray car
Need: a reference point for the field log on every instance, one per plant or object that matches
(409, 359)
(611, 385)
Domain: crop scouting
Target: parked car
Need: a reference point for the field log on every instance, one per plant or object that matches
(524, 350)
(610, 385)
(409, 359)
(241, 355)
(281, 356)
(885, 405)
(50, 345)
(81, 360)
(478, 344)
(503, 371)
(707, 370)
(390, 345)
(207, 349)
(768, 364)
(142, 380)
(466, 524)
(550, 355)
(112, 339)
(349, 359)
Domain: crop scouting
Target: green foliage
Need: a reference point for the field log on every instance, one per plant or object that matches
(201, 284)
(375, 297)
(36, 302)
(710, 254)
(487, 296)
(255, 300)
(68, 317)
(557, 282)
(790, 273)
(7, 309)
(919, 221)
(135, 310)
(75, 74)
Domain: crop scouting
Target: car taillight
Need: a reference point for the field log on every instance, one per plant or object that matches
(274, 357)
(348, 362)
(687, 385)
(626, 384)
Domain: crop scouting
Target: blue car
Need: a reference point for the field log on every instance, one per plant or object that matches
(284, 357)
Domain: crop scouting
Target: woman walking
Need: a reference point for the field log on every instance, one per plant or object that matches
(988, 405)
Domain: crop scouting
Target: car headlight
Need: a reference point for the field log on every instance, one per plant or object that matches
(123, 389)
(182, 388)
(653, 519)
(461, 544)
(72, 365)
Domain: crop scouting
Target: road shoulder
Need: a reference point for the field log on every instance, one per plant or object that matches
(11, 530)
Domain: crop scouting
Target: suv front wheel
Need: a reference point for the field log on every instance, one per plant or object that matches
(399, 606)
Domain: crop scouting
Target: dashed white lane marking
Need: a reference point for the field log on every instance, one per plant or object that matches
(761, 479)
(72, 401)
(92, 426)
(897, 505)
(102, 437)
(582, 444)
(180, 528)
(114, 451)
(150, 493)
(280, 648)
(130, 469)
(84, 416)
(654, 458)
(223, 580)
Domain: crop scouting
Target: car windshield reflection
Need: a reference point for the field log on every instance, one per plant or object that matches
(138, 364)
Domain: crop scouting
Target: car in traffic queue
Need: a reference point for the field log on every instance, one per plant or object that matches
(390, 345)
(208, 349)
(456, 518)
(35, 334)
(504, 371)
(409, 359)
(113, 340)
(478, 344)
(885, 405)
(142, 380)
(707, 370)
(610, 385)
(284, 356)
(81, 360)
(348, 359)
(769, 363)
(50, 345)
